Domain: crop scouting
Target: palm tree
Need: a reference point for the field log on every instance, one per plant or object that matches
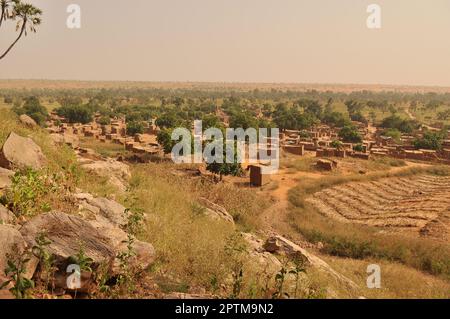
(28, 18)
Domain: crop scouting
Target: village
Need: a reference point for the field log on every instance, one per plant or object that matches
(321, 141)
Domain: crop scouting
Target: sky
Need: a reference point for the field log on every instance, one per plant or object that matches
(270, 41)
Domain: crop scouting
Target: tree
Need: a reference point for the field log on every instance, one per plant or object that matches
(358, 117)
(358, 148)
(224, 168)
(243, 120)
(430, 141)
(394, 121)
(336, 118)
(354, 107)
(134, 128)
(393, 133)
(168, 120)
(33, 108)
(75, 113)
(28, 17)
(211, 121)
(349, 134)
(164, 139)
(337, 144)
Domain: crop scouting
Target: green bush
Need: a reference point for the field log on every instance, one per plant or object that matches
(76, 113)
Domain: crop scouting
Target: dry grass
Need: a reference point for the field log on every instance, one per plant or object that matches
(191, 247)
(358, 241)
(397, 280)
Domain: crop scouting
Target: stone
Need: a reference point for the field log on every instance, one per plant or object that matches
(21, 152)
(272, 245)
(111, 210)
(12, 243)
(27, 121)
(66, 139)
(117, 172)
(6, 216)
(216, 211)
(282, 246)
(67, 233)
(101, 240)
(262, 259)
(5, 178)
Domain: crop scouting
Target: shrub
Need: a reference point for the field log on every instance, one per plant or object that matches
(33, 109)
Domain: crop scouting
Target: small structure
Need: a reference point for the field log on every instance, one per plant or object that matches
(257, 178)
(295, 149)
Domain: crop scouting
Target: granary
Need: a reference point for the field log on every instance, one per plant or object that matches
(257, 178)
(294, 149)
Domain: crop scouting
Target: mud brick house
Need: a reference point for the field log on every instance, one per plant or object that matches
(294, 149)
(331, 152)
(257, 178)
(309, 146)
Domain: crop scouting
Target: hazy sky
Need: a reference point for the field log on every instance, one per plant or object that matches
(307, 41)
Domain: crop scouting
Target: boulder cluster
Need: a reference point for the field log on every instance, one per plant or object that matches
(97, 229)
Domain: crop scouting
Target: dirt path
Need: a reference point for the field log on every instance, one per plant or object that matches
(413, 117)
(275, 219)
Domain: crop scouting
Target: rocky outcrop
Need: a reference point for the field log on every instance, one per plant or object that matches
(27, 121)
(257, 254)
(109, 209)
(282, 246)
(117, 173)
(21, 152)
(216, 211)
(66, 234)
(101, 240)
(5, 178)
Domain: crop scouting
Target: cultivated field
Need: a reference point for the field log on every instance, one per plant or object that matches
(418, 204)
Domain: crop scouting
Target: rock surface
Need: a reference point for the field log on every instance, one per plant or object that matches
(21, 152)
(27, 121)
(67, 233)
(65, 139)
(282, 246)
(117, 173)
(12, 243)
(100, 238)
(5, 177)
(6, 216)
(216, 211)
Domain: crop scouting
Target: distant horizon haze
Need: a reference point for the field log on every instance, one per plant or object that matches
(305, 42)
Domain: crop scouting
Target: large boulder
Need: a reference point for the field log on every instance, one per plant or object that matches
(216, 211)
(21, 152)
(5, 178)
(109, 209)
(100, 239)
(27, 121)
(67, 233)
(12, 244)
(117, 172)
